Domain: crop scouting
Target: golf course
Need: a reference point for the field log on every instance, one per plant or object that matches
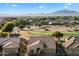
(48, 33)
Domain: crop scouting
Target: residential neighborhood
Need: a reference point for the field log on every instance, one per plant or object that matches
(30, 46)
(49, 29)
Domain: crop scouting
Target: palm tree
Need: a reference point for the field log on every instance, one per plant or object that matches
(58, 35)
(60, 50)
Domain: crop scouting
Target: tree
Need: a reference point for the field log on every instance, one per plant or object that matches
(60, 50)
(76, 19)
(21, 26)
(28, 27)
(0, 26)
(3, 34)
(8, 27)
(58, 35)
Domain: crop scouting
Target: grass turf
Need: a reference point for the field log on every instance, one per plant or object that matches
(48, 33)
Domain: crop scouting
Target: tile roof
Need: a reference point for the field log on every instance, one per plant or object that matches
(49, 41)
(11, 45)
(69, 42)
(72, 43)
(10, 42)
(35, 43)
(75, 44)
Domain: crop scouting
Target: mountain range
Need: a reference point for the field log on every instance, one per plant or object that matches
(66, 13)
(57, 13)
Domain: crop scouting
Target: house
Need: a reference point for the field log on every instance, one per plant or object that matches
(72, 46)
(9, 46)
(41, 42)
(12, 45)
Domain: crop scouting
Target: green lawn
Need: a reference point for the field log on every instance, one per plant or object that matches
(32, 33)
(48, 33)
(71, 33)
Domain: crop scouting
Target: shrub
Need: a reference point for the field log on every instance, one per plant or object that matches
(8, 27)
(21, 26)
(46, 29)
(0, 26)
(40, 52)
(3, 34)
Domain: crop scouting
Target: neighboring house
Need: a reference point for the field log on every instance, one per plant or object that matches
(9, 46)
(41, 42)
(1, 21)
(72, 46)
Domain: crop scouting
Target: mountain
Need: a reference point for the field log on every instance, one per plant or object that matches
(66, 13)
(57, 13)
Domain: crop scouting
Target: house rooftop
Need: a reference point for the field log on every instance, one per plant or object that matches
(71, 43)
(49, 41)
(10, 42)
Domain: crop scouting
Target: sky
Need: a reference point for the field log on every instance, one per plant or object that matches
(36, 8)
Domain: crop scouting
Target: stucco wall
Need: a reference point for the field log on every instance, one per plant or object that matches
(74, 52)
(49, 52)
(34, 48)
(46, 50)
(10, 51)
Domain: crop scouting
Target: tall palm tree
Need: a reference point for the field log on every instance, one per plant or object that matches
(60, 50)
(58, 35)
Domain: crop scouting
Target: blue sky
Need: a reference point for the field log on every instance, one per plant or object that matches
(35, 8)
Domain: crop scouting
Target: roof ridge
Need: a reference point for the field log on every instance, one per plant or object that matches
(69, 42)
(38, 41)
(4, 41)
(10, 44)
(7, 44)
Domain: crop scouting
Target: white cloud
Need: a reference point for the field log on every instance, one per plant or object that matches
(40, 6)
(13, 5)
(69, 4)
(65, 6)
(6, 4)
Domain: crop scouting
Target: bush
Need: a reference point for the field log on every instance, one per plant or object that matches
(3, 34)
(21, 26)
(46, 29)
(40, 52)
(0, 26)
(8, 27)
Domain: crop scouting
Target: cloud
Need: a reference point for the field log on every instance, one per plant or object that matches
(13, 5)
(69, 4)
(6, 4)
(41, 7)
(65, 6)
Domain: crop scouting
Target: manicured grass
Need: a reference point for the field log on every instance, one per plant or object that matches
(71, 33)
(37, 33)
(48, 33)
